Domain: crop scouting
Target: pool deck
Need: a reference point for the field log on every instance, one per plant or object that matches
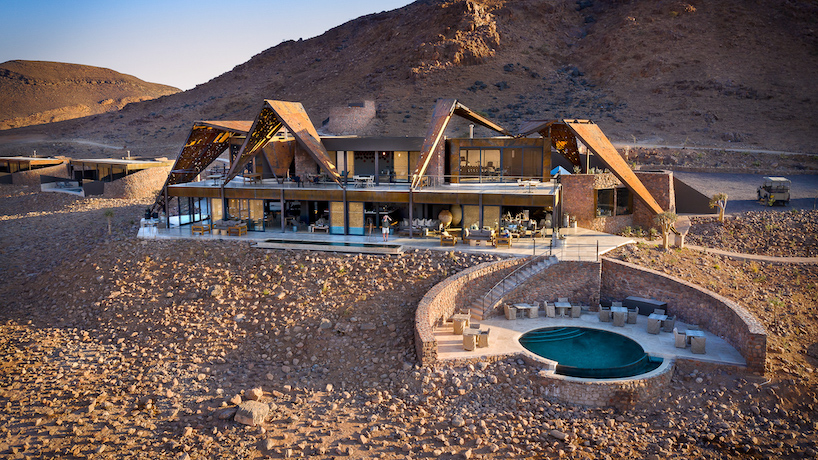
(505, 335)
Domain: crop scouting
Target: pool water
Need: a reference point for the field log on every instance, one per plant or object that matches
(589, 353)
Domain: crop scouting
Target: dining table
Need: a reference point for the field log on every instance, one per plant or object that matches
(562, 308)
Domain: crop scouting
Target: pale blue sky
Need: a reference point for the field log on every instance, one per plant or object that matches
(173, 42)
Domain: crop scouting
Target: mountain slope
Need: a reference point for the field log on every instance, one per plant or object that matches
(700, 72)
(34, 92)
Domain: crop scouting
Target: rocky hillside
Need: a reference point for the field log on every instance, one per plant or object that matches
(36, 92)
(702, 73)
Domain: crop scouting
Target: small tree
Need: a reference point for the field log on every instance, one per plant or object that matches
(109, 213)
(665, 220)
(720, 200)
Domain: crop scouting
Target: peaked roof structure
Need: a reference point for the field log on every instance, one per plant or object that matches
(274, 115)
(206, 141)
(563, 134)
(442, 115)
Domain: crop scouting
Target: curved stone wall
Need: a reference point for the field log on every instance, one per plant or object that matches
(457, 291)
(691, 304)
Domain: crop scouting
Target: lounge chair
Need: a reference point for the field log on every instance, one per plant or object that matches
(616, 304)
(654, 326)
(669, 324)
(469, 341)
(632, 313)
(605, 314)
(697, 345)
(619, 318)
(680, 338)
(511, 311)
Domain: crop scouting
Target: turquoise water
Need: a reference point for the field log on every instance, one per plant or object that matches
(589, 353)
(333, 243)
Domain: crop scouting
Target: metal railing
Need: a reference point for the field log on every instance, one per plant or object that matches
(496, 293)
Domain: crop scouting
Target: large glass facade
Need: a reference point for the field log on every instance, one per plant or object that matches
(496, 164)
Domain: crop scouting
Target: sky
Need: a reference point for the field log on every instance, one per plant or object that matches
(172, 42)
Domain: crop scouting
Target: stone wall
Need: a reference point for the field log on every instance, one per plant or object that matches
(690, 304)
(660, 185)
(146, 183)
(33, 177)
(351, 119)
(304, 163)
(621, 393)
(457, 291)
(579, 199)
(579, 281)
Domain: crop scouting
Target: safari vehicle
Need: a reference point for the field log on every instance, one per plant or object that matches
(775, 190)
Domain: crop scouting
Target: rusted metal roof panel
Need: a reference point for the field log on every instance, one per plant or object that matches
(234, 126)
(264, 128)
(593, 137)
(204, 144)
(295, 118)
(442, 115)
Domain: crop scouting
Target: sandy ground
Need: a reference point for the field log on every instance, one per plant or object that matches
(118, 348)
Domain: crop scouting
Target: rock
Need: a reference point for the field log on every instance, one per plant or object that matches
(328, 388)
(325, 324)
(252, 413)
(235, 400)
(254, 394)
(215, 291)
(269, 444)
(457, 421)
(228, 413)
(368, 327)
(558, 434)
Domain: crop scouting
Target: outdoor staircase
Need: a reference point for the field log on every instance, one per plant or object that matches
(482, 308)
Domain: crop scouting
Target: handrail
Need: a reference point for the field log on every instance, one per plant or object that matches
(502, 281)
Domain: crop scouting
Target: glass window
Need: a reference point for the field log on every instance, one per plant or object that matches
(624, 202)
(401, 166)
(469, 164)
(604, 202)
(513, 163)
(491, 163)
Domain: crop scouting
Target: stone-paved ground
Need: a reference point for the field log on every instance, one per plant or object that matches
(115, 348)
(788, 234)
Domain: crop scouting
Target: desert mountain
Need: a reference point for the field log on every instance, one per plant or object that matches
(35, 92)
(715, 73)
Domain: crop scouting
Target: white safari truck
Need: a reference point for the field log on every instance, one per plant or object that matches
(775, 190)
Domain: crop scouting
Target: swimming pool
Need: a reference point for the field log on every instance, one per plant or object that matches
(589, 353)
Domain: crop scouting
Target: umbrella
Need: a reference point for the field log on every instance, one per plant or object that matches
(559, 170)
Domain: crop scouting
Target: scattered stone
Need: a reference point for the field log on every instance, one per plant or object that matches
(252, 413)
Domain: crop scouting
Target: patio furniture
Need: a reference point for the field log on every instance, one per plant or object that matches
(562, 308)
(654, 325)
(679, 338)
(562, 299)
(632, 312)
(659, 311)
(502, 241)
(483, 338)
(669, 324)
(237, 230)
(550, 311)
(460, 321)
(619, 315)
(200, 229)
(470, 340)
(447, 240)
(616, 304)
(697, 344)
(511, 312)
(604, 314)
(576, 311)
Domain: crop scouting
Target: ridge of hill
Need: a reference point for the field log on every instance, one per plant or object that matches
(37, 92)
(707, 73)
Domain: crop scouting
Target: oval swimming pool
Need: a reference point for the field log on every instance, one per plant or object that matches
(589, 353)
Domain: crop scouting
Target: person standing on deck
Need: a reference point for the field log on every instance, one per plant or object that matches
(385, 227)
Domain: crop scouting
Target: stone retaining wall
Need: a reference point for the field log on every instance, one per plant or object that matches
(141, 184)
(457, 291)
(690, 304)
(579, 281)
(33, 177)
(621, 393)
